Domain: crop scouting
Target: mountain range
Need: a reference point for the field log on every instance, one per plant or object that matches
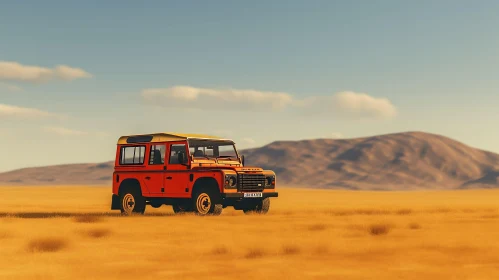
(398, 161)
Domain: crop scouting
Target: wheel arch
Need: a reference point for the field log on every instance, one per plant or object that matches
(130, 184)
(206, 183)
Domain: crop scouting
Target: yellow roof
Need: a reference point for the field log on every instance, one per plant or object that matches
(163, 137)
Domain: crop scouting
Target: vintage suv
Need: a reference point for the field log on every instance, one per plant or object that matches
(193, 173)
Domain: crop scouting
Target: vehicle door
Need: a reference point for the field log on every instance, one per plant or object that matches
(155, 169)
(177, 174)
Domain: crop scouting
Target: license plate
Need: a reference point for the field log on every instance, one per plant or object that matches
(255, 194)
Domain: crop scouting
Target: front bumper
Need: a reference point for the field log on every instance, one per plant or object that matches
(241, 195)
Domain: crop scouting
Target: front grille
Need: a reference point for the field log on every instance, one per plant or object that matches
(251, 182)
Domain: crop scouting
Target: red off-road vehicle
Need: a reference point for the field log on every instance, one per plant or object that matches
(193, 173)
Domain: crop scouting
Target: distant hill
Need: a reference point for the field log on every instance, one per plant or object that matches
(64, 174)
(399, 161)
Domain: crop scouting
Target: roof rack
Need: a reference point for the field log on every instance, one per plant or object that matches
(165, 137)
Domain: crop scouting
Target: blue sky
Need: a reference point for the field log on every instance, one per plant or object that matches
(255, 71)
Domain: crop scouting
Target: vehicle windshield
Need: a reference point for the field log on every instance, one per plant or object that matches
(212, 149)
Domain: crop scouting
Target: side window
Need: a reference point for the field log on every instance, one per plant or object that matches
(175, 149)
(157, 155)
(132, 155)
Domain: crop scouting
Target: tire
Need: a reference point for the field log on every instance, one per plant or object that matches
(155, 204)
(132, 202)
(260, 207)
(206, 202)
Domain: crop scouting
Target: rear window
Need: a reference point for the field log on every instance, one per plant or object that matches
(132, 155)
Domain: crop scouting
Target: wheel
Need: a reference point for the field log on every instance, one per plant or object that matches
(260, 207)
(155, 204)
(206, 202)
(132, 202)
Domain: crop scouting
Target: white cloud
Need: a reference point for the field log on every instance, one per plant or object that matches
(15, 111)
(63, 131)
(14, 71)
(69, 73)
(217, 99)
(9, 87)
(347, 104)
(362, 104)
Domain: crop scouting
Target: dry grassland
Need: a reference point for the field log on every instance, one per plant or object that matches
(69, 233)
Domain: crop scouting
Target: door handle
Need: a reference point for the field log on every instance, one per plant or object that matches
(147, 178)
(168, 178)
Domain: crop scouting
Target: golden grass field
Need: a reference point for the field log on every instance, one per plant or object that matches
(70, 233)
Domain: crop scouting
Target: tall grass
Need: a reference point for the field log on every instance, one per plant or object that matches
(310, 235)
(379, 229)
(47, 244)
(87, 218)
(96, 232)
(255, 253)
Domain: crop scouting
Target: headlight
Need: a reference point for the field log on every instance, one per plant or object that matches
(230, 181)
(269, 181)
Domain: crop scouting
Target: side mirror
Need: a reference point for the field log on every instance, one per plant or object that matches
(242, 160)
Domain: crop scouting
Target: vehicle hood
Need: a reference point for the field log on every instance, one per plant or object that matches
(232, 165)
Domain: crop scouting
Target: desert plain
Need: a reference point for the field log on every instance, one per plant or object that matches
(68, 232)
